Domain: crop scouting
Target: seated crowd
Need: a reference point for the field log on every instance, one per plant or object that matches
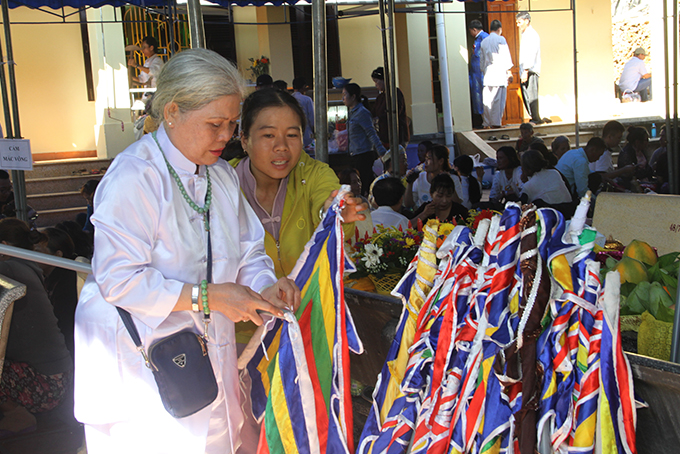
(529, 173)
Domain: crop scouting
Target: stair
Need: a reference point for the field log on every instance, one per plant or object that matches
(547, 132)
(53, 188)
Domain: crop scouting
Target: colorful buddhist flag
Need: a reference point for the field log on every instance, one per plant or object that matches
(514, 349)
(300, 369)
(413, 289)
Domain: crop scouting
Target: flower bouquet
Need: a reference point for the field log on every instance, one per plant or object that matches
(384, 256)
(476, 215)
(388, 251)
(259, 66)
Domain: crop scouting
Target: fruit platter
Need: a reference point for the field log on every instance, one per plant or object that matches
(648, 291)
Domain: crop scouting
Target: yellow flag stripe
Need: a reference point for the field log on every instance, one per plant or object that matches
(280, 409)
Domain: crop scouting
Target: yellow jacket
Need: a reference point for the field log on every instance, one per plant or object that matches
(309, 185)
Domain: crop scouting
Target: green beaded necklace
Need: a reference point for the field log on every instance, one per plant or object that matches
(208, 195)
(206, 222)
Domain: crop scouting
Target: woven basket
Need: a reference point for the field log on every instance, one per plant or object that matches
(385, 284)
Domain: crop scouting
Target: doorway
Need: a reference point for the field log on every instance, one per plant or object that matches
(505, 12)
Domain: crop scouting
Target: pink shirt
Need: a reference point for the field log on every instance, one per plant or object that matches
(270, 221)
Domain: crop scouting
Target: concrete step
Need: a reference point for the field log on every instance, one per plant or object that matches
(66, 167)
(513, 130)
(56, 200)
(48, 218)
(47, 185)
(470, 143)
(584, 136)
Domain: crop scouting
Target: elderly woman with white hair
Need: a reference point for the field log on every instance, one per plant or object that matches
(169, 216)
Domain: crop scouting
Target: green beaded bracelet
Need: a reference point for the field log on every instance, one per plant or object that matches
(204, 297)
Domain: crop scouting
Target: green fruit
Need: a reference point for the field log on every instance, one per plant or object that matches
(632, 270)
(639, 250)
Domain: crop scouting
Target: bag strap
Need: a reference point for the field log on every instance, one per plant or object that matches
(130, 324)
(134, 334)
(209, 277)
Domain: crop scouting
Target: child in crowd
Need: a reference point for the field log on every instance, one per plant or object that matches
(559, 146)
(526, 131)
(549, 156)
(544, 184)
(443, 205)
(423, 148)
(507, 181)
(467, 187)
(387, 163)
(418, 189)
(389, 196)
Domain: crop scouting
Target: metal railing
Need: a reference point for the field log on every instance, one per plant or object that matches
(47, 259)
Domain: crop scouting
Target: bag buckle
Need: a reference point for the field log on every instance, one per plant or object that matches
(206, 322)
(148, 363)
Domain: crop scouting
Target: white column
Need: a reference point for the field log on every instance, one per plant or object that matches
(113, 128)
(457, 55)
(413, 55)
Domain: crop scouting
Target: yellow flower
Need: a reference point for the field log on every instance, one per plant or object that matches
(410, 242)
(254, 64)
(445, 229)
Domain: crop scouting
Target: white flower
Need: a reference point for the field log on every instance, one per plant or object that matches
(372, 255)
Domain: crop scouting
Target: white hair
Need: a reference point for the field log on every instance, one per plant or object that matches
(194, 78)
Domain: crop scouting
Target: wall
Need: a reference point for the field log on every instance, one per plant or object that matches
(414, 68)
(456, 43)
(273, 41)
(113, 127)
(596, 99)
(53, 107)
(247, 45)
(360, 48)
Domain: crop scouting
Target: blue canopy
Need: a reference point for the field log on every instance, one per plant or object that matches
(58, 4)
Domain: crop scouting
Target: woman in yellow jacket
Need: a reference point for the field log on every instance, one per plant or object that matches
(288, 190)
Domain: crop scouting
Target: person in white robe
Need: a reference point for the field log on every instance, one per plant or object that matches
(496, 63)
(153, 63)
(151, 252)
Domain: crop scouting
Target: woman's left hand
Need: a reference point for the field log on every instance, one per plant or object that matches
(284, 294)
(353, 205)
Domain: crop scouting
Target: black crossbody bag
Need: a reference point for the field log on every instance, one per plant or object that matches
(180, 364)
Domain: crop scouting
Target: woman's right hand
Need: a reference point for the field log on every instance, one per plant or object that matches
(428, 211)
(412, 176)
(240, 303)
(284, 294)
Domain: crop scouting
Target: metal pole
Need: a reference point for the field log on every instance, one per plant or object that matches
(388, 71)
(196, 24)
(320, 80)
(669, 133)
(393, 105)
(18, 181)
(5, 100)
(444, 76)
(673, 157)
(675, 340)
(672, 148)
(576, 125)
(170, 20)
(47, 259)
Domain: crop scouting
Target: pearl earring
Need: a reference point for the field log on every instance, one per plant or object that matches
(169, 123)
